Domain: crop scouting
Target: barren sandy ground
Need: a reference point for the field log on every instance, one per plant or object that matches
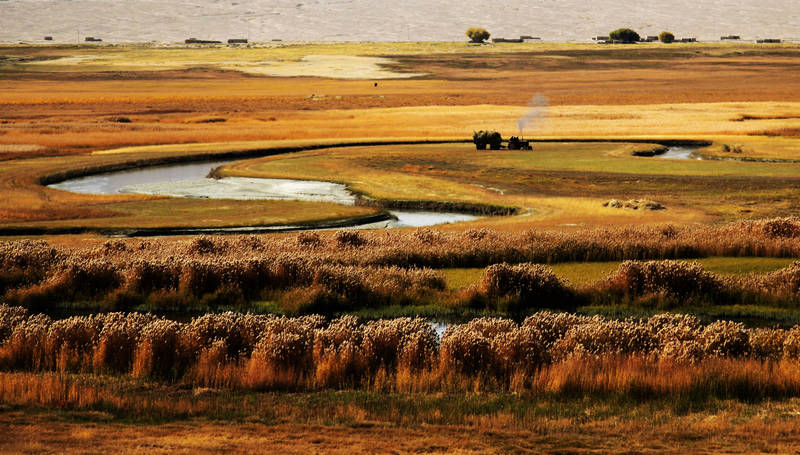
(330, 66)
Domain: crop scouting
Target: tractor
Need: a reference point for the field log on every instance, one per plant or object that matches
(515, 143)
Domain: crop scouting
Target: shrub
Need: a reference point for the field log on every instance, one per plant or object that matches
(204, 244)
(385, 343)
(349, 239)
(70, 341)
(117, 341)
(428, 236)
(158, 352)
(533, 284)
(10, 318)
(624, 35)
(782, 227)
(666, 37)
(599, 337)
(672, 278)
(725, 339)
(732, 148)
(310, 239)
(465, 350)
(311, 299)
(26, 346)
(477, 34)
(767, 343)
(337, 354)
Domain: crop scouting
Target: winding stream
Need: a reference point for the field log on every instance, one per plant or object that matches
(680, 153)
(189, 180)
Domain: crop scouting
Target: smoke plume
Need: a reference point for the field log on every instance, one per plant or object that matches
(535, 113)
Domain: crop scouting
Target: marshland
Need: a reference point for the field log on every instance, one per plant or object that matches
(593, 294)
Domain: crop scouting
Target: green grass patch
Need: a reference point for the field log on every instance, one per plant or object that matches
(750, 315)
(585, 273)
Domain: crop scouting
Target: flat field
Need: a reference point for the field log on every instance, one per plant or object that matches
(69, 101)
(393, 122)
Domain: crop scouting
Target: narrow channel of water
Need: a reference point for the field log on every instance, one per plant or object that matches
(189, 180)
(680, 153)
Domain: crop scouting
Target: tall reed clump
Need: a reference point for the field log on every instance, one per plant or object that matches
(254, 352)
(26, 262)
(526, 286)
(282, 357)
(338, 358)
(674, 281)
(495, 349)
(781, 285)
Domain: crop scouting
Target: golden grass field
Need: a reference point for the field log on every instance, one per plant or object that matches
(59, 102)
(69, 110)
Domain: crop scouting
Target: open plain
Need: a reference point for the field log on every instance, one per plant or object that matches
(202, 344)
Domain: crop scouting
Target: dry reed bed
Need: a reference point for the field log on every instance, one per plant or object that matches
(546, 352)
(339, 271)
(779, 237)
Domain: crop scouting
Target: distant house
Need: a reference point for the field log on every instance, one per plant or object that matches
(201, 41)
(506, 40)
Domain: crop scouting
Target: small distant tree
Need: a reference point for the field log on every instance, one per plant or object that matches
(625, 35)
(666, 37)
(477, 34)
